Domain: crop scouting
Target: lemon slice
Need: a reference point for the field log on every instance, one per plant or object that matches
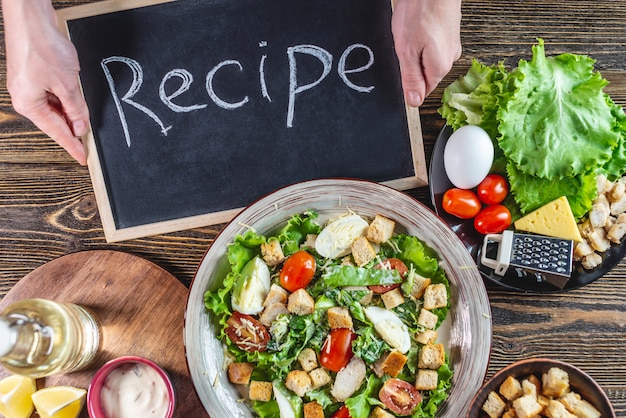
(15, 400)
(59, 401)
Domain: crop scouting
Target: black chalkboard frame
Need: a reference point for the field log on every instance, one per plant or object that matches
(115, 233)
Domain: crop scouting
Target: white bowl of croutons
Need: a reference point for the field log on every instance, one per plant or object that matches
(541, 387)
(246, 344)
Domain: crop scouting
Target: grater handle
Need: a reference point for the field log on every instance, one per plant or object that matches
(500, 265)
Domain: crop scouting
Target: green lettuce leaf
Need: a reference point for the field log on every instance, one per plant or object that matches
(531, 192)
(557, 123)
(340, 276)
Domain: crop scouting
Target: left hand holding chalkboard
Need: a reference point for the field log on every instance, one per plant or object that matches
(42, 74)
(427, 36)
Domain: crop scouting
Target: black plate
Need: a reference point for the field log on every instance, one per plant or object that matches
(514, 279)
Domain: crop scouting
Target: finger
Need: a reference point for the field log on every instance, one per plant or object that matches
(50, 120)
(74, 109)
(414, 82)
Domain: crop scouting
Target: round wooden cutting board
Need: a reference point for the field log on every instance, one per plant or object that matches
(140, 306)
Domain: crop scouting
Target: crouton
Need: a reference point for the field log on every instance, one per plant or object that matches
(555, 382)
(427, 319)
(276, 295)
(509, 413)
(393, 363)
(362, 251)
(527, 406)
(427, 336)
(309, 242)
(260, 391)
(271, 312)
(578, 406)
(240, 373)
(556, 409)
(379, 412)
(392, 298)
(307, 359)
(419, 286)
(319, 378)
(313, 410)
(435, 296)
(299, 382)
(431, 356)
(300, 303)
(494, 405)
(511, 388)
(380, 230)
(272, 253)
(339, 317)
(426, 379)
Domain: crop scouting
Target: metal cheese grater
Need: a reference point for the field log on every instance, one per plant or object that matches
(547, 256)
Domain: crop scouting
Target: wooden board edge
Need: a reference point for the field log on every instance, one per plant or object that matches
(123, 234)
(103, 7)
(417, 145)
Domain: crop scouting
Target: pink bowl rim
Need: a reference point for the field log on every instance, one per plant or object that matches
(94, 407)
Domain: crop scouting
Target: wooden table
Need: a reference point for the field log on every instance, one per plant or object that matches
(47, 206)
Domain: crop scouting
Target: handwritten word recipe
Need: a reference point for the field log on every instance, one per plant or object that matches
(179, 80)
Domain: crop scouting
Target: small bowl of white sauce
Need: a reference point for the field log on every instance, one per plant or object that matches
(131, 387)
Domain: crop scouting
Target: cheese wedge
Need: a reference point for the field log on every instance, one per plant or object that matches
(554, 219)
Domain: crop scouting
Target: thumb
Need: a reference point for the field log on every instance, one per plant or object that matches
(413, 81)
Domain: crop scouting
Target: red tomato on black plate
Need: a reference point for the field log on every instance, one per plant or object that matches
(461, 203)
(297, 271)
(492, 219)
(247, 333)
(493, 189)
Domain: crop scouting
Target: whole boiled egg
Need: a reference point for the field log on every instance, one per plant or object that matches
(468, 156)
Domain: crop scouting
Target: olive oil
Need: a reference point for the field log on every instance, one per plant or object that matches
(39, 337)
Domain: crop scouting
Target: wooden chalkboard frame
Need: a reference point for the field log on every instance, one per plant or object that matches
(112, 232)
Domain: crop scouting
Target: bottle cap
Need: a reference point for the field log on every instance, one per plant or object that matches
(7, 336)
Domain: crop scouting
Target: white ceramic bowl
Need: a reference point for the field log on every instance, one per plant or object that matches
(469, 320)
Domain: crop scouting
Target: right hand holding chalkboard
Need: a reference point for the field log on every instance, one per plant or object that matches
(42, 74)
(428, 42)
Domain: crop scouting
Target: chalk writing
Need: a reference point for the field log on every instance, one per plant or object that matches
(186, 81)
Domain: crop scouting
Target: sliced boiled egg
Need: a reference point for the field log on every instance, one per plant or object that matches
(390, 327)
(337, 237)
(251, 287)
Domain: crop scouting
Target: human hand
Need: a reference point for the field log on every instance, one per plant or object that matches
(42, 74)
(427, 36)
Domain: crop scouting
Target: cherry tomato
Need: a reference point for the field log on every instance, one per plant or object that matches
(389, 264)
(342, 412)
(493, 189)
(461, 203)
(297, 271)
(337, 349)
(399, 396)
(492, 220)
(247, 333)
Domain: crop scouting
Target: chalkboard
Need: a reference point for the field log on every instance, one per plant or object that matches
(199, 107)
